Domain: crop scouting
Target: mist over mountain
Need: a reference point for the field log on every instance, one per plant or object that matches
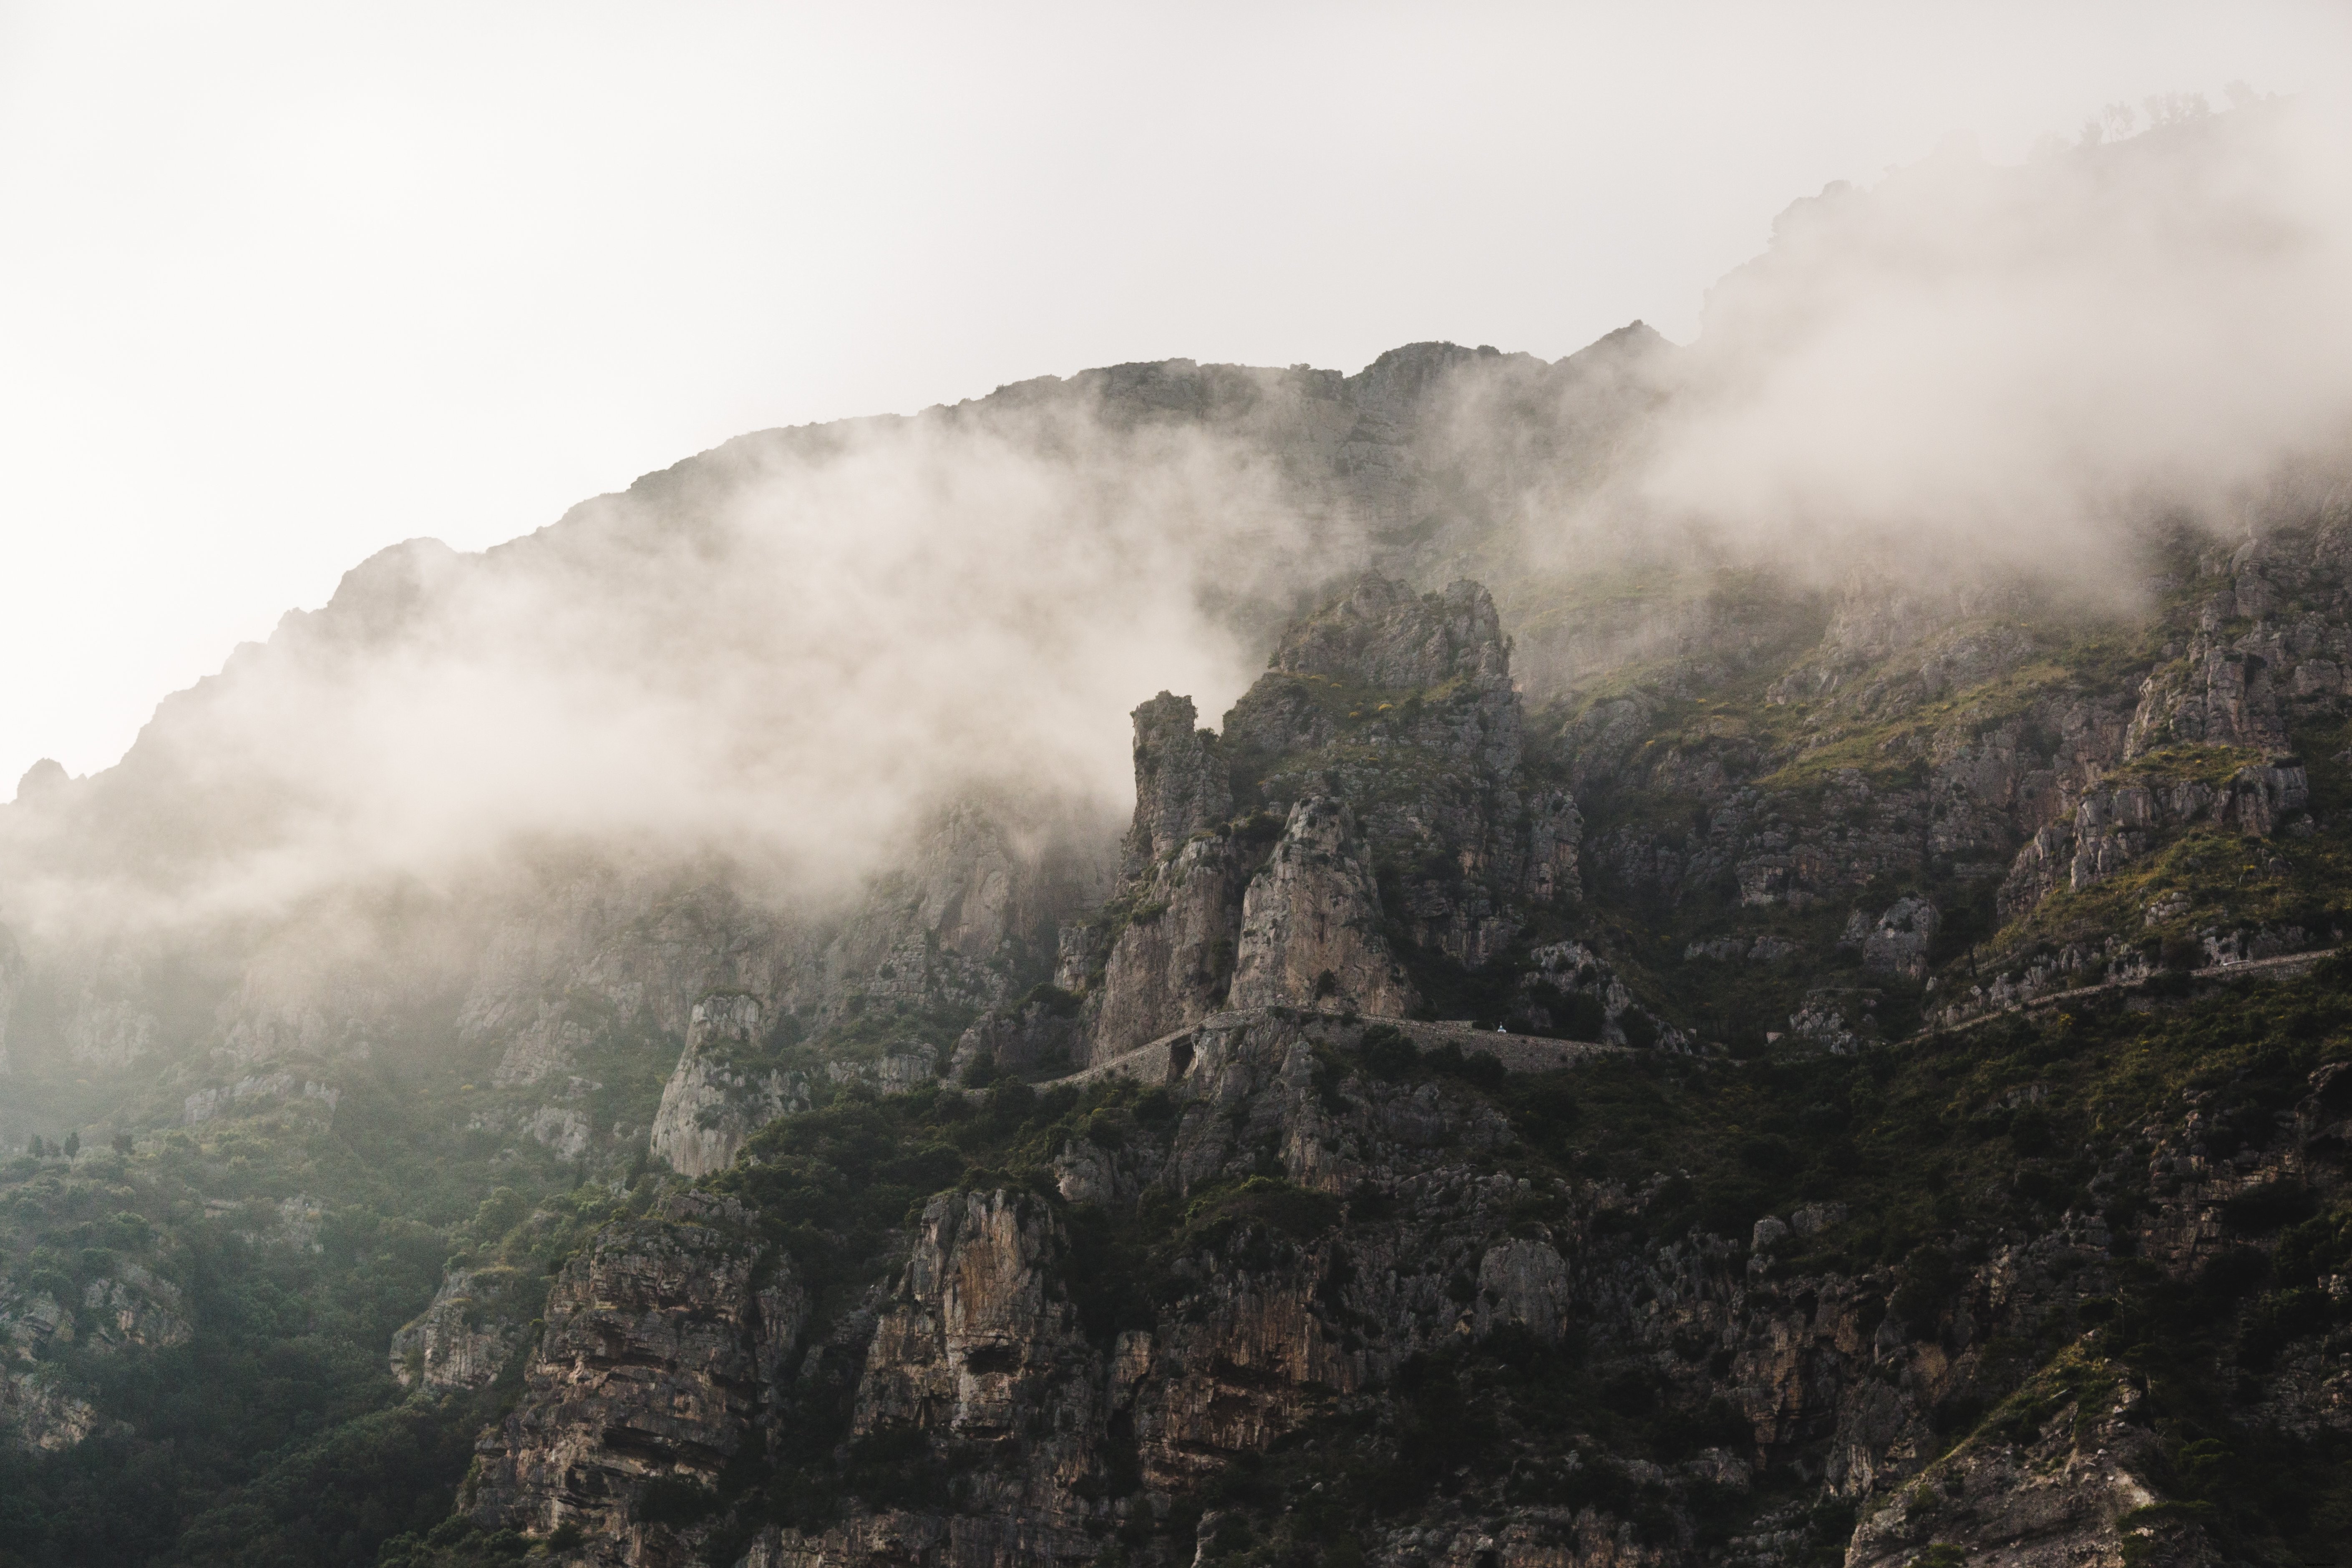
(1710, 952)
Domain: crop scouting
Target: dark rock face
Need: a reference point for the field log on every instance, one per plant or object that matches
(1311, 923)
(659, 1348)
(1173, 964)
(662, 1356)
(1383, 634)
(711, 1106)
(1349, 1227)
(1367, 801)
(1182, 785)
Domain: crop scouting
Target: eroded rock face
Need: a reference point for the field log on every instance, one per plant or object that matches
(657, 1347)
(1342, 1225)
(1182, 781)
(1900, 941)
(2058, 1495)
(465, 1338)
(977, 1321)
(1386, 730)
(1523, 1284)
(1382, 633)
(2113, 828)
(1310, 922)
(712, 1105)
(41, 1416)
(1173, 964)
(133, 1306)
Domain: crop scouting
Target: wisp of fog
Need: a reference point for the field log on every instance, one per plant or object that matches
(786, 651)
(1968, 368)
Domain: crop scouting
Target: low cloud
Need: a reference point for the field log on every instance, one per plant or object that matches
(1973, 368)
(786, 652)
(782, 653)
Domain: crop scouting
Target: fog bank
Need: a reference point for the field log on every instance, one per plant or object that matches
(1973, 368)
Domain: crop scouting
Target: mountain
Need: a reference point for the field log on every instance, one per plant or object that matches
(764, 1024)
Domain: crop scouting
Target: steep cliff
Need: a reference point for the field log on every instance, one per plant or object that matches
(1307, 1286)
(657, 1346)
(1310, 929)
(1368, 813)
(1648, 1065)
(709, 1106)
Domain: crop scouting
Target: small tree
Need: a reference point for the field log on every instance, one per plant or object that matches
(33, 1147)
(73, 1144)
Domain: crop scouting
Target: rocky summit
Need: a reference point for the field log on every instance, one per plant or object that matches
(1630, 1061)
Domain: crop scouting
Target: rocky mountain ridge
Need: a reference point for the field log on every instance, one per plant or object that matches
(1476, 1114)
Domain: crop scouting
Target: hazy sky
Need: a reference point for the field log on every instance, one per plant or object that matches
(282, 284)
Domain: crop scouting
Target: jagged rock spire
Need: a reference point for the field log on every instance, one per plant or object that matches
(1181, 783)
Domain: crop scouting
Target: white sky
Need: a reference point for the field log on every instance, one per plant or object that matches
(282, 284)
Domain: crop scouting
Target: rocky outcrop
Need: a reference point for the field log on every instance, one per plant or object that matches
(2270, 643)
(2114, 826)
(1892, 643)
(276, 1087)
(37, 1413)
(1371, 786)
(714, 1101)
(1570, 991)
(1523, 1284)
(134, 1307)
(32, 1320)
(466, 1337)
(1900, 942)
(130, 1307)
(1382, 634)
(657, 1346)
(1182, 781)
(2069, 1484)
(1043, 1037)
(1310, 929)
(1173, 961)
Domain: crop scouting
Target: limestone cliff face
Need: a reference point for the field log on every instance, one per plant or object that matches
(1335, 1238)
(1182, 781)
(1367, 800)
(134, 1307)
(710, 1105)
(1381, 633)
(36, 1413)
(1172, 963)
(2063, 1494)
(2270, 641)
(979, 1351)
(657, 1348)
(44, 1330)
(1404, 706)
(2114, 826)
(464, 1340)
(1310, 929)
